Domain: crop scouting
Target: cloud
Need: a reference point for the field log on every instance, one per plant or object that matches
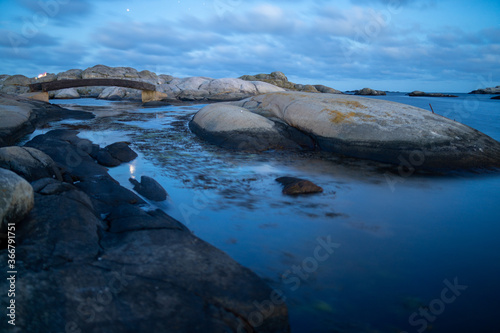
(62, 12)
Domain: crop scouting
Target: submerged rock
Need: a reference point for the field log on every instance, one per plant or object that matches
(367, 128)
(16, 198)
(495, 97)
(149, 188)
(294, 186)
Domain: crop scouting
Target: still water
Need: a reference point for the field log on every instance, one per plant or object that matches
(375, 252)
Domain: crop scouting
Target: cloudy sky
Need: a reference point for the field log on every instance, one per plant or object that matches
(405, 45)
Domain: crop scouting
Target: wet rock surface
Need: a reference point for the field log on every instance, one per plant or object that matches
(149, 188)
(101, 263)
(295, 186)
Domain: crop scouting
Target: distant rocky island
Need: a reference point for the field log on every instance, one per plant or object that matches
(491, 91)
(418, 93)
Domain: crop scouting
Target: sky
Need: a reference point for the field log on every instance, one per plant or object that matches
(394, 45)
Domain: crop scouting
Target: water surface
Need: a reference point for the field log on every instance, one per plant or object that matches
(398, 241)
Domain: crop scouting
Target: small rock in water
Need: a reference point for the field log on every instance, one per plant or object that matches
(294, 186)
(149, 188)
(121, 151)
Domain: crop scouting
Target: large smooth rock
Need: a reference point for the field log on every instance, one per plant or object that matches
(68, 93)
(29, 163)
(16, 198)
(366, 128)
(235, 127)
(370, 92)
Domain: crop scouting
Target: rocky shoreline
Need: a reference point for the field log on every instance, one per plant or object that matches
(94, 254)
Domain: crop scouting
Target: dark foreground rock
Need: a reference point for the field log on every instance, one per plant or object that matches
(353, 126)
(29, 163)
(149, 188)
(295, 186)
(495, 97)
(417, 93)
(92, 260)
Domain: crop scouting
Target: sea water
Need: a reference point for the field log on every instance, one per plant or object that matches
(369, 254)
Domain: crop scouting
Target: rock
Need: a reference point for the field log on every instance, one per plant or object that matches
(72, 74)
(149, 188)
(20, 116)
(16, 198)
(112, 93)
(90, 92)
(370, 92)
(129, 270)
(17, 80)
(15, 84)
(128, 218)
(360, 127)
(492, 90)
(417, 93)
(29, 163)
(46, 78)
(236, 128)
(280, 80)
(203, 88)
(309, 88)
(294, 186)
(102, 71)
(326, 90)
(121, 151)
(163, 78)
(103, 157)
(69, 93)
(495, 97)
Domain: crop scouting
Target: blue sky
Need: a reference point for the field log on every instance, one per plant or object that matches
(430, 45)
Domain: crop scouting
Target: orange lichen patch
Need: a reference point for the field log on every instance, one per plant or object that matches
(351, 104)
(338, 117)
